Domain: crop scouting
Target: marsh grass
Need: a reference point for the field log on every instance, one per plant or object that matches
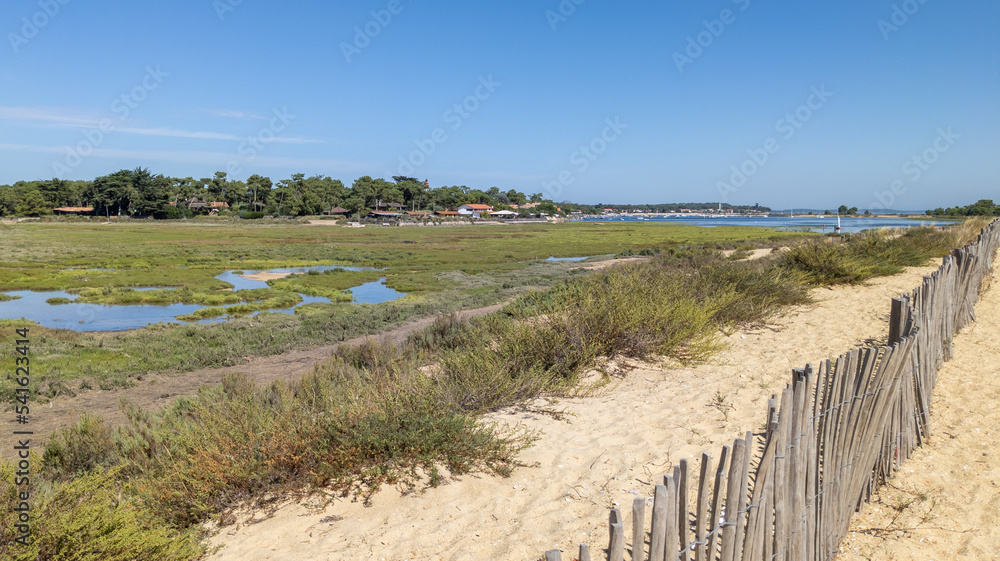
(340, 428)
(89, 519)
(378, 414)
(856, 258)
(441, 269)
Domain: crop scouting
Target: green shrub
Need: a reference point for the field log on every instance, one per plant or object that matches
(172, 213)
(641, 310)
(860, 257)
(80, 448)
(505, 361)
(87, 519)
(447, 332)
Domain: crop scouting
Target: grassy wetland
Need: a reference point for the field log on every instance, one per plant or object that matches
(441, 269)
(374, 414)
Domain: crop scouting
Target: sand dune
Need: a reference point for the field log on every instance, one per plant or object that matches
(602, 451)
(944, 503)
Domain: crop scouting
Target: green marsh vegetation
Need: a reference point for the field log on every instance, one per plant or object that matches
(852, 259)
(379, 415)
(442, 269)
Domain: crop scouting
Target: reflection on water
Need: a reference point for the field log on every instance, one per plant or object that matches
(375, 292)
(87, 317)
(102, 317)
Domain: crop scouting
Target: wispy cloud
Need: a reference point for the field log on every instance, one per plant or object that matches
(199, 157)
(164, 131)
(50, 115)
(68, 118)
(234, 114)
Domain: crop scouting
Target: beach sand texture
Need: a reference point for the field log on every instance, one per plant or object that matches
(604, 450)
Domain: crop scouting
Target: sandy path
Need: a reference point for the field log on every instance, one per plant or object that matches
(605, 450)
(945, 501)
(265, 276)
(157, 390)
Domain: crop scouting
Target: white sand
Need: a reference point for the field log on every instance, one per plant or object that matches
(944, 503)
(607, 450)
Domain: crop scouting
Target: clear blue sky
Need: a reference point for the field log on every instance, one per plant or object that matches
(589, 102)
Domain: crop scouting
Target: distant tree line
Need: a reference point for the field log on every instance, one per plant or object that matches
(982, 207)
(140, 193)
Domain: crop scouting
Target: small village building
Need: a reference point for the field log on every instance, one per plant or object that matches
(475, 210)
(337, 210)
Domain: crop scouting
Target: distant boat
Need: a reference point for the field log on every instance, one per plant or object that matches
(837, 229)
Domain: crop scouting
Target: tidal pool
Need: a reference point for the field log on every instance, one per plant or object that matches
(102, 317)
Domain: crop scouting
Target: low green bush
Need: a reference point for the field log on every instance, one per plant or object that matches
(88, 519)
(859, 257)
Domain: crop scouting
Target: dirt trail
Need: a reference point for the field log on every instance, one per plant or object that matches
(157, 390)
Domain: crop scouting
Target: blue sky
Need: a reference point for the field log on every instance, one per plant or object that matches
(786, 104)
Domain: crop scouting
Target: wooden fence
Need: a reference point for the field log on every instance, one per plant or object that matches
(833, 434)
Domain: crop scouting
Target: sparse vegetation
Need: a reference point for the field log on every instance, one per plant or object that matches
(379, 414)
(441, 270)
(859, 257)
